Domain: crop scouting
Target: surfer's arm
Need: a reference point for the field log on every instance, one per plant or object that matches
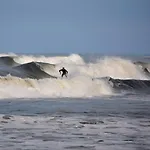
(60, 71)
(66, 71)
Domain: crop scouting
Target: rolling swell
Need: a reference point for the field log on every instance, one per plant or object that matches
(130, 84)
(33, 70)
(8, 61)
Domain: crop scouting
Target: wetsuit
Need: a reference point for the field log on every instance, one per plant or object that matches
(64, 72)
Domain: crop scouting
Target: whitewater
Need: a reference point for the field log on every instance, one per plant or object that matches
(103, 103)
(38, 76)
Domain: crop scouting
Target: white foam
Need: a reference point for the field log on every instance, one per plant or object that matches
(71, 59)
(7, 54)
(116, 67)
(76, 87)
(79, 82)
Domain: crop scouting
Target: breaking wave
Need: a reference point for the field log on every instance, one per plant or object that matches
(8, 61)
(38, 76)
(33, 70)
(130, 85)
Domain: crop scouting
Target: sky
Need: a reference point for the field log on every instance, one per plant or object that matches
(75, 26)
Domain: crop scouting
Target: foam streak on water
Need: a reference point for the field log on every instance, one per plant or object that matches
(75, 124)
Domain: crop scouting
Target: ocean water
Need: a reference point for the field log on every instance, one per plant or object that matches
(104, 104)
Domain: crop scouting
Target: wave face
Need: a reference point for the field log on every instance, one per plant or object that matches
(129, 85)
(8, 61)
(38, 76)
(33, 70)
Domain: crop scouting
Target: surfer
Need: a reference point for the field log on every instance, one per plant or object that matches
(64, 72)
(146, 71)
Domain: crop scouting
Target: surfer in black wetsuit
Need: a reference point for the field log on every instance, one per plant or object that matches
(64, 72)
(146, 71)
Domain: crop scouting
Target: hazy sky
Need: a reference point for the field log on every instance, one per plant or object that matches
(75, 26)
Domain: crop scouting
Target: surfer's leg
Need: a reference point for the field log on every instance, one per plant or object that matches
(62, 75)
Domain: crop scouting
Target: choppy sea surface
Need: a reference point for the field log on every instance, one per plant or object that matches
(104, 104)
